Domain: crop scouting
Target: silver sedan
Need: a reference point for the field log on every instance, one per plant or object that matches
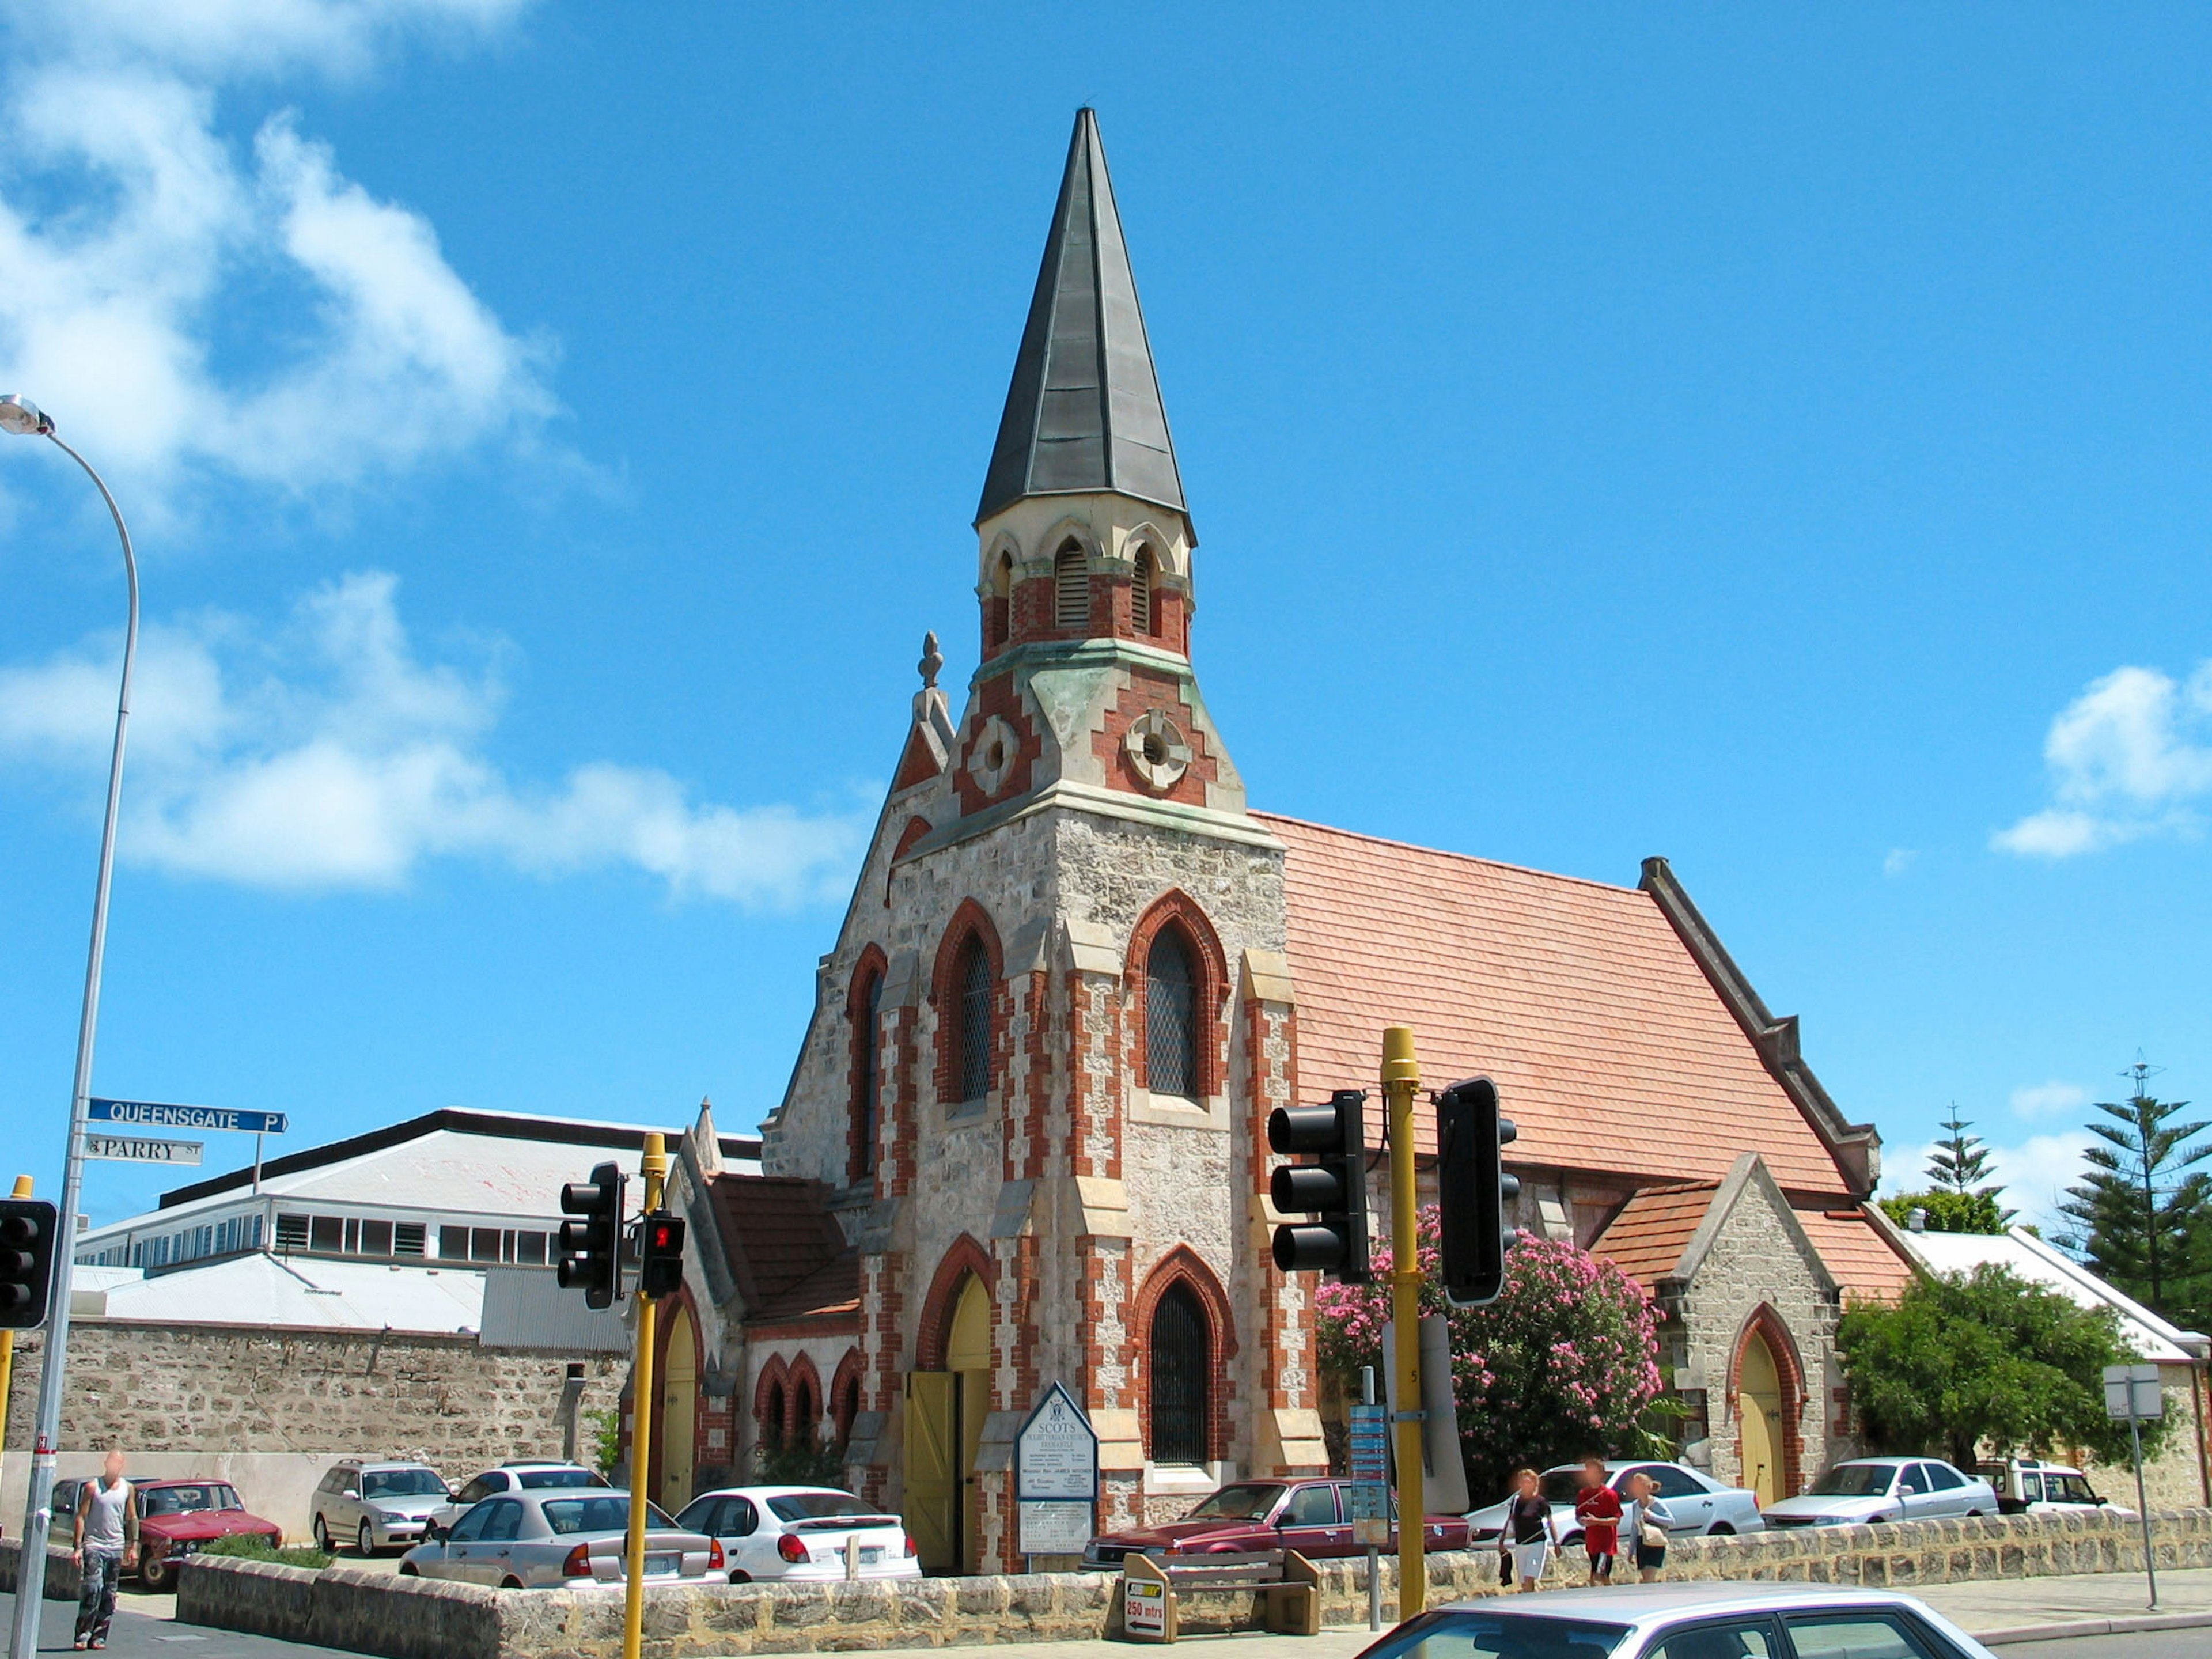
(548, 1540)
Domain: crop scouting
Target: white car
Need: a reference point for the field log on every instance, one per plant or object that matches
(1699, 1504)
(524, 1475)
(1871, 1489)
(800, 1533)
(2027, 1486)
(1687, 1620)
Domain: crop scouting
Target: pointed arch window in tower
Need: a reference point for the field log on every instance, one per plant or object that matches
(1141, 594)
(1181, 1382)
(1171, 1017)
(974, 1052)
(867, 1094)
(999, 620)
(1071, 582)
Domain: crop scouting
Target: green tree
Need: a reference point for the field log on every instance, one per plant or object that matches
(1961, 1164)
(1985, 1360)
(2142, 1215)
(1950, 1211)
(1564, 1363)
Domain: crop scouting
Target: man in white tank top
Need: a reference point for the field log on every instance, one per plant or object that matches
(107, 1536)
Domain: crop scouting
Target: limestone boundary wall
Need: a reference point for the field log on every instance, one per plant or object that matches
(416, 1619)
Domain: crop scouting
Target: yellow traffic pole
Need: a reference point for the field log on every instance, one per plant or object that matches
(655, 1171)
(8, 1340)
(1401, 1080)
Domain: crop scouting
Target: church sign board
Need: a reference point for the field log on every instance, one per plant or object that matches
(1056, 1476)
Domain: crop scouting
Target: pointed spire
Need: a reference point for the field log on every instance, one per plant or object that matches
(1084, 412)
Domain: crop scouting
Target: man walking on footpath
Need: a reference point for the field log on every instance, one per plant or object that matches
(107, 1541)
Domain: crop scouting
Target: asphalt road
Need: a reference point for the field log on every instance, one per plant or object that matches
(140, 1635)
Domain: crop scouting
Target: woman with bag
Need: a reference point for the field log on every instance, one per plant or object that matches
(1528, 1526)
(1647, 1521)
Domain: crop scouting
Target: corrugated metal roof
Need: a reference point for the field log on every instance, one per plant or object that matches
(295, 1292)
(1084, 412)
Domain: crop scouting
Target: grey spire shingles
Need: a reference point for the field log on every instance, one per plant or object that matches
(1084, 412)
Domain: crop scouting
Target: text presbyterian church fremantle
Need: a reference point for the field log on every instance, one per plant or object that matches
(1023, 1141)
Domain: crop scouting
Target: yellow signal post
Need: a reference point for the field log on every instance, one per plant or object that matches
(655, 1171)
(1402, 1081)
(8, 1340)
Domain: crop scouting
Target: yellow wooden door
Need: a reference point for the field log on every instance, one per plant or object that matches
(1758, 1413)
(930, 1482)
(679, 1401)
(967, 1356)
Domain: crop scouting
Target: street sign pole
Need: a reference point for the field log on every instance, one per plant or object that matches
(1374, 1550)
(656, 1170)
(2133, 1392)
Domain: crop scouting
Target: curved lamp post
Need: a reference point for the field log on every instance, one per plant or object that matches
(21, 417)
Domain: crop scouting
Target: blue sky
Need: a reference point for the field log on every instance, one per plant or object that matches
(1767, 437)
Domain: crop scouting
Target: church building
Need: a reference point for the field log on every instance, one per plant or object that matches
(1024, 1139)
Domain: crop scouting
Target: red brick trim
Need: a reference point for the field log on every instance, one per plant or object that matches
(803, 1399)
(1789, 1374)
(771, 1399)
(1184, 1266)
(934, 1334)
(970, 919)
(845, 1395)
(1177, 909)
(862, 1151)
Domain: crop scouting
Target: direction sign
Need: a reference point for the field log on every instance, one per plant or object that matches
(1056, 1454)
(130, 1149)
(1371, 1443)
(153, 1115)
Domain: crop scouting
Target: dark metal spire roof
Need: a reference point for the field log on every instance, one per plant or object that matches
(1084, 412)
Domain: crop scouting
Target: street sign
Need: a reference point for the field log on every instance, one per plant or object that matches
(2133, 1391)
(130, 1149)
(1056, 1455)
(1055, 1527)
(152, 1115)
(1371, 1443)
(1367, 1506)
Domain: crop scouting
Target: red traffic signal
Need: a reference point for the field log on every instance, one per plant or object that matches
(660, 1255)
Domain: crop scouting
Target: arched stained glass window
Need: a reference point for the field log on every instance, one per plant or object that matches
(1171, 1017)
(1182, 1379)
(973, 981)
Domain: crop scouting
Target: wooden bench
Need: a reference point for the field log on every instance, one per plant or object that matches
(1150, 1584)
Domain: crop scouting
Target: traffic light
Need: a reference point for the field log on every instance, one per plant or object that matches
(590, 1249)
(27, 1262)
(1474, 1192)
(1332, 1189)
(660, 1255)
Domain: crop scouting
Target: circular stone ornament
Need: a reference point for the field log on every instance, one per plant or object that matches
(991, 757)
(1158, 750)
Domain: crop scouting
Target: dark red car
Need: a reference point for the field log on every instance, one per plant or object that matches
(1309, 1516)
(176, 1517)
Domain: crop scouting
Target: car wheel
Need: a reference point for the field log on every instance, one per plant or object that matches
(158, 1576)
(1721, 1529)
(510, 1582)
(365, 1540)
(322, 1531)
(407, 1570)
(1973, 1515)
(739, 1576)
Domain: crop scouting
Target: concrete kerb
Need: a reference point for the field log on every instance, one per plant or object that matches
(418, 1619)
(2074, 1628)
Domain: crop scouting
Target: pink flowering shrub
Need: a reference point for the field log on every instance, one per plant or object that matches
(1564, 1363)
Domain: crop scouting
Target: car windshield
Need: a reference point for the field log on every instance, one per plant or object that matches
(188, 1500)
(1563, 1485)
(1855, 1480)
(566, 1515)
(1250, 1501)
(535, 1479)
(1498, 1636)
(817, 1506)
(401, 1483)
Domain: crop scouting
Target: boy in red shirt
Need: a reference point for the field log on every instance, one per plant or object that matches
(1597, 1506)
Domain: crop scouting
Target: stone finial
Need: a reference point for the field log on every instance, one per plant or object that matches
(931, 660)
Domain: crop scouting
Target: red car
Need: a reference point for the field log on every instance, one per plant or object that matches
(1309, 1516)
(176, 1518)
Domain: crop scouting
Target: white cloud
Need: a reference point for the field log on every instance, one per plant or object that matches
(136, 236)
(326, 754)
(2034, 1173)
(1898, 861)
(2127, 758)
(2051, 1099)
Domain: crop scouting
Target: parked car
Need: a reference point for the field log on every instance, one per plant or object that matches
(1699, 1504)
(2027, 1486)
(554, 1537)
(1688, 1621)
(371, 1504)
(800, 1533)
(1309, 1516)
(176, 1518)
(523, 1475)
(1885, 1489)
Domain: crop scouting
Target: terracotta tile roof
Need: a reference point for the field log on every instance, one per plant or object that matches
(1647, 1237)
(781, 1239)
(1610, 1047)
(831, 1291)
(1857, 1252)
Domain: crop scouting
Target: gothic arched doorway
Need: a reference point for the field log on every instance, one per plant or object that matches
(679, 1400)
(945, 1410)
(1764, 1405)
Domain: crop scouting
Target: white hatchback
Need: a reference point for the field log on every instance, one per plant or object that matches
(801, 1533)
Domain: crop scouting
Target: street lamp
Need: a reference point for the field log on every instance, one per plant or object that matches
(23, 418)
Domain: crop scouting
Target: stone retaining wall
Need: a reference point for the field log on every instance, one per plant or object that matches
(62, 1580)
(411, 1619)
